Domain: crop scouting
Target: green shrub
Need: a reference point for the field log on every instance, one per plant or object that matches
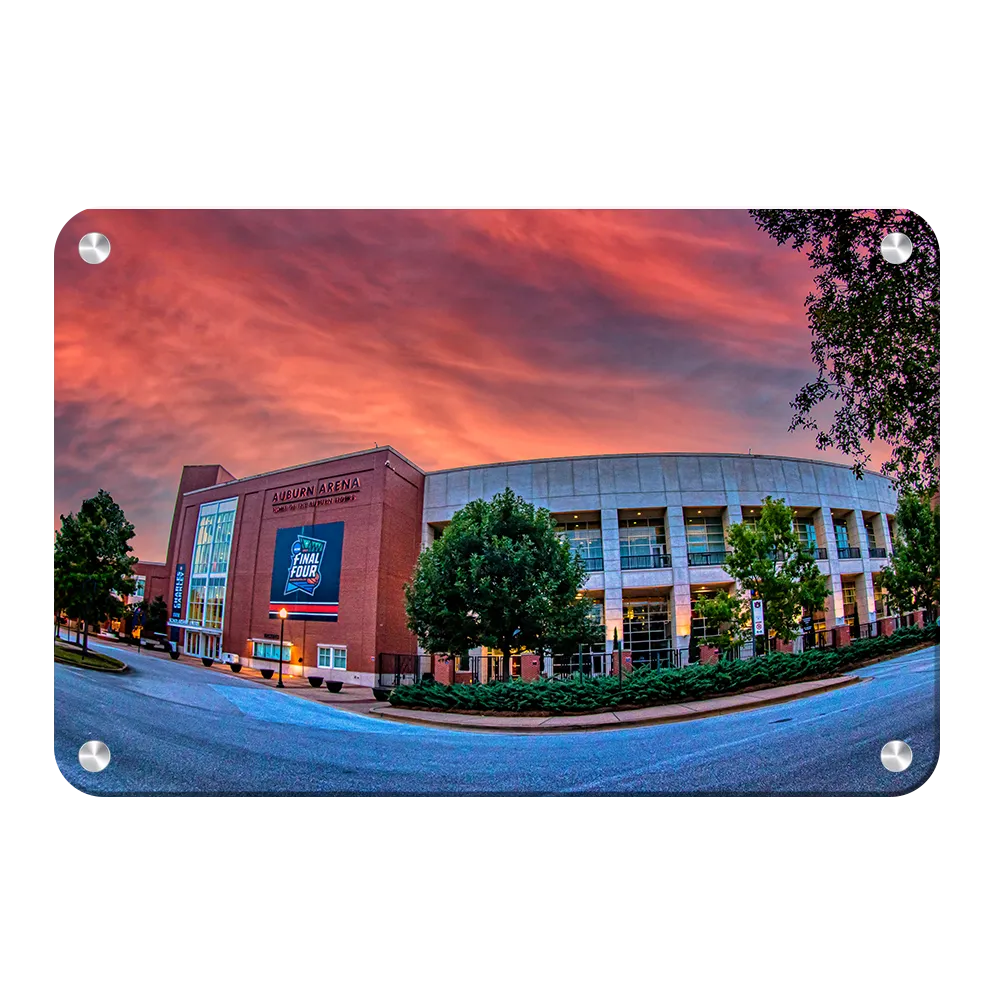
(650, 686)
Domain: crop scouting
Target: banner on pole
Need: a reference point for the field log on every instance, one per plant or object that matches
(758, 617)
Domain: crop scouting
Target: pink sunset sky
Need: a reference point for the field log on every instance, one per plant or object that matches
(264, 339)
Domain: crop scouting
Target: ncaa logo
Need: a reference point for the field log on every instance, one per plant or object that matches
(304, 567)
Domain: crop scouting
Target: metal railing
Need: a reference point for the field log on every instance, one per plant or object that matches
(817, 553)
(848, 552)
(588, 664)
(660, 659)
(489, 667)
(647, 560)
(876, 552)
(397, 669)
(747, 651)
(706, 558)
(593, 564)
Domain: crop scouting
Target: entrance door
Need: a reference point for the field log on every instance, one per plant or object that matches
(202, 644)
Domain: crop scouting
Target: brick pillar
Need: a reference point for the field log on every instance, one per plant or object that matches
(708, 654)
(887, 626)
(444, 668)
(843, 635)
(783, 645)
(625, 658)
(918, 619)
(531, 666)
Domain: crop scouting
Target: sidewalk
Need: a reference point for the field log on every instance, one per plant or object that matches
(352, 698)
(618, 719)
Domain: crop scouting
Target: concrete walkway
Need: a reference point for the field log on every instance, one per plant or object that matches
(352, 698)
(618, 719)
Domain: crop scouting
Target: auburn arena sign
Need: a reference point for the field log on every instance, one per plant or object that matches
(326, 491)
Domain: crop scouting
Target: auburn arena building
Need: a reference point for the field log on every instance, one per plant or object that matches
(333, 542)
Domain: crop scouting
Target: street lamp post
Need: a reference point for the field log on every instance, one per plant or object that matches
(282, 614)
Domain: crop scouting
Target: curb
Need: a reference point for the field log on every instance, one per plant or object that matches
(87, 666)
(620, 719)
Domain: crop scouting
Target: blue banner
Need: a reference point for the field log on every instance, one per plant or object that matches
(178, 605)
(305, 575)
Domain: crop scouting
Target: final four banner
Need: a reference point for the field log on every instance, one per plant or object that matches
(305, 576)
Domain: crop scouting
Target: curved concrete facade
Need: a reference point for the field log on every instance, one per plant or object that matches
(689, 492)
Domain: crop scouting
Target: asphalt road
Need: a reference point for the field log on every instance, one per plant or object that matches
(174, 729)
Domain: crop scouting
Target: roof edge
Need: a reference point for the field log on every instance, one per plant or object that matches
(656, 454)
(306, 465)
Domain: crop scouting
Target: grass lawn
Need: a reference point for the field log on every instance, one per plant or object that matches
(73, 656)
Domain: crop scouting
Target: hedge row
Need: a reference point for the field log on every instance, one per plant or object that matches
(650, 686)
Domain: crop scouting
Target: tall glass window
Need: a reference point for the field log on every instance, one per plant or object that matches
(806, 531)
(850, 593)
(840, 531)
(706, 541)
(643, 543)
(210, 564)
(584, 537)
(646, 627)
(699, 625)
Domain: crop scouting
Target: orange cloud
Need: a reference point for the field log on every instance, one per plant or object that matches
(264, 339)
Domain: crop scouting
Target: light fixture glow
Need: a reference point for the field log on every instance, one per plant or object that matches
(282, 613)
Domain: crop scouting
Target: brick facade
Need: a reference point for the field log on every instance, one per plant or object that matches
(382, 520)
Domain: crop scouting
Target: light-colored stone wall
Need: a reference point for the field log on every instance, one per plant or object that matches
(607, 484)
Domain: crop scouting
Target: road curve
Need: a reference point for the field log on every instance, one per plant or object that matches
(174, 729)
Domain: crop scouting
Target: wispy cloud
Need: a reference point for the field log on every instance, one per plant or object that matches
(265, 339)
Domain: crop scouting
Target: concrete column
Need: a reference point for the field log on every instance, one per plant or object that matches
(731, 514)
(680, 615)
(677, 538)
(426, 536)
(882, 539)
(866, 598)
(613, 619)
(610, 543)
(834, 604)
(612, 574)
(680, 595)
(826, 538)
(859, 537)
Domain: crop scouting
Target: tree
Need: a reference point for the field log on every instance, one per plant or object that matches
(875, 329)
(499, 576)
(728, 618)
(768, 562)
(156, 616)
(93, 568)
(913, 576)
